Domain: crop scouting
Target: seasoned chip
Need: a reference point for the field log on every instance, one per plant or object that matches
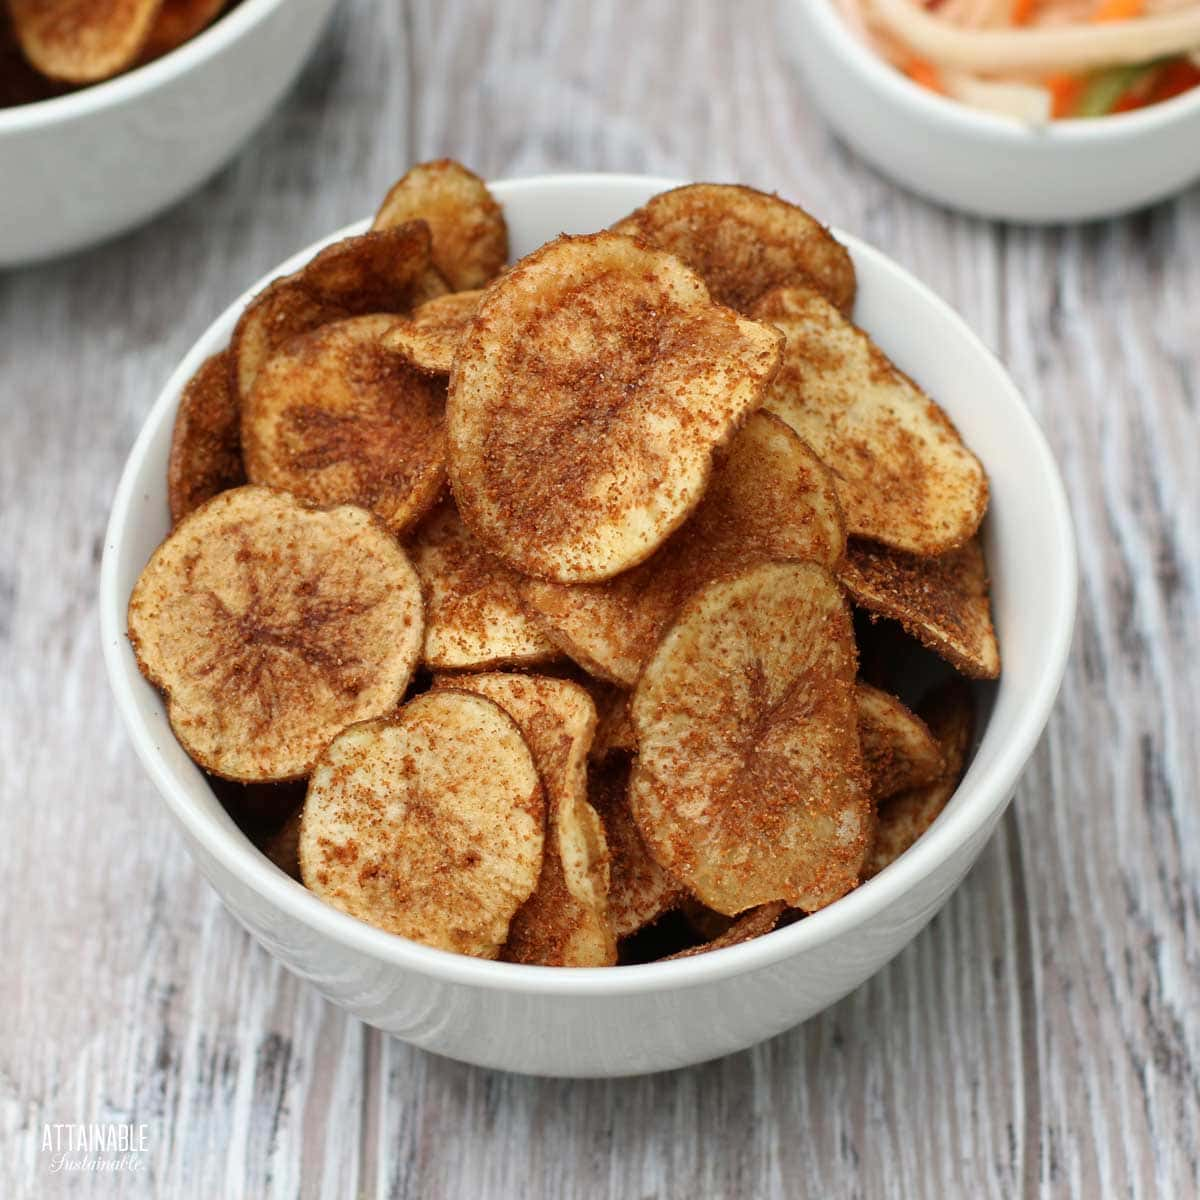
(743, 242)
(751, 924)
(769, 498)
(473, 617)
(942, 602)
(950, 714)
(283, 846)
(179, 21)
(431, 336)
(427, 824)
(614, 727)
(470, 237)
(337, 417)
(206, 445)
(83, 41)
(749, 784)
(384, 272)
(270, 626)
(903, 474)
(898, 750)
(565, 922)
(586, 403)
(639, 890)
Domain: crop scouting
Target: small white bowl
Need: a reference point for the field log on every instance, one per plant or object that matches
(627, 1020)
(1069, 170)
(86, 166)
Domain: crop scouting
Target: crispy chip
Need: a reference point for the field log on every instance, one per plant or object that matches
(751, 924)
(950, 714)
(769, 498)
(382, 272)
(427, 824)
(431, 336)
(898, 750)
(904, 476)
(283, 846)
(743, 242)
(206, 445)
(473, 617)
(942, 602)
(470, 237)
(270, 626)
(614, 726)
(179, 21)
(586, 403)
(565, 922)
(639, 890)
(83, 41)
(336, 417)
(749, 784)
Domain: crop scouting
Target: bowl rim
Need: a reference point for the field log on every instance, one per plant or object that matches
(1066, 130)
(237, 856)
(211, 41)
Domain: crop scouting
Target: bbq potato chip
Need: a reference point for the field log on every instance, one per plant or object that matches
(942, 602)
(565, 922)
(83, 41)
(587, 400)
(751, 924)
(769, 497)
(336, 416)
(903, 475)
(427, 824)
(749, 785)
(206, 445)
(179, 21)
(898, 750)
(470, 237)
(270, 626)
(743, 242)
(431, 336)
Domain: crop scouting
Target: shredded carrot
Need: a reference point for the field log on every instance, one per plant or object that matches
(925, 74)
(1065, 91)
(1118, 10)
(1022, 11)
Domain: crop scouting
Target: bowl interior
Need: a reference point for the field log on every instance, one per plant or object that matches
(1027, 535)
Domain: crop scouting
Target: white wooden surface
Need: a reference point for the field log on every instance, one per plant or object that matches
(1041, 1038)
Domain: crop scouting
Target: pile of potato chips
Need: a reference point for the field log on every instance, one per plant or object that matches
(532, 612)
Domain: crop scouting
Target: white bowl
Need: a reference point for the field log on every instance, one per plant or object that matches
(86, 166)
(1069, 170)
(627, 1020)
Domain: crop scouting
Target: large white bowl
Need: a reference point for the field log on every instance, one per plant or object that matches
(627, 1020)
(1070, 170)
(86, 166)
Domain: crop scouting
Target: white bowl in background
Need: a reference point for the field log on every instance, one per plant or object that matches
(83, 167)
(627, 1020)
(980, 162)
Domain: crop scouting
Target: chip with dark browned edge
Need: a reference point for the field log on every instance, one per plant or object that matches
(942, 602)
(744, 242)
(751, 924)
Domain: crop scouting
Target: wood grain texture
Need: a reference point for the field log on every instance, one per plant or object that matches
(1040, 1039)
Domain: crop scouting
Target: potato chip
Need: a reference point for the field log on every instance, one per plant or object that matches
(751, 924)
(337, 417)
(950, 714)
(83, 41)
(749, 785)
(283, 846)
(19, 82)
(470, 237)
(565, 922)
(384, 272)
(427, 824)
(430, 337)
(206, 445)
(898, 750)
(270, 626)
(179, 21)
(473, 617)
(743, 242)
(586, 403)
(942, 602)
(639, 890)
(769, 497)
(614, 726)
(904, 476)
